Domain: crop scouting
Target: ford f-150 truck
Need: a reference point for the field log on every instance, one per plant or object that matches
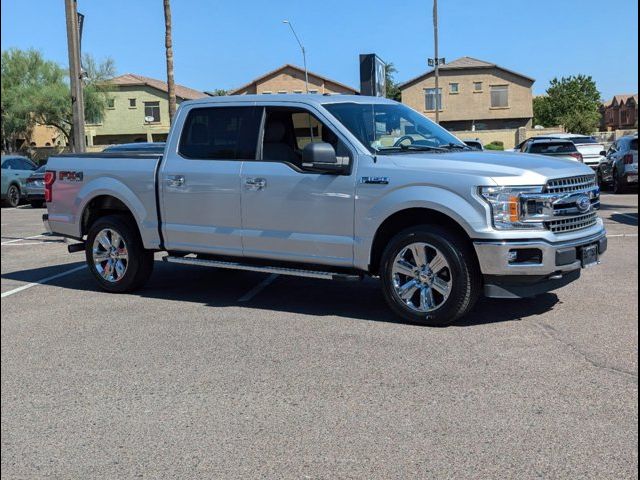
(332, 187)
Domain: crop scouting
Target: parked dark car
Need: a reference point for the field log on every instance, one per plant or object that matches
(15, 171)
(620, 166)
(553, 148)
(139, 147)
(35, 188)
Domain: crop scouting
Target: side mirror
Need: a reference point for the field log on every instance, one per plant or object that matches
(603, 153)
(321, 156)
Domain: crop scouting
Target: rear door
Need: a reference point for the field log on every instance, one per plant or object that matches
(200, 178)
(290, 213)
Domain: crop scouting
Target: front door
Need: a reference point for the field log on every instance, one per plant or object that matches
(292, 214)
(200, 179)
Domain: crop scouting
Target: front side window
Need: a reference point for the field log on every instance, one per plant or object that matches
(392, 127)
(288, 130)
(433, 98)
(152, 112)
(221, 133)
(499, 96)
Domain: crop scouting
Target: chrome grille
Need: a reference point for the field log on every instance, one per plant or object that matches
(572, 224)
(572, 184)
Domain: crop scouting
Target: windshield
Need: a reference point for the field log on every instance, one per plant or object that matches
(387, 128)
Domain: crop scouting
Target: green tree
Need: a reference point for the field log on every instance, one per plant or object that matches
(393, 87)
(219, 92)
(572, 102)
(35, 90)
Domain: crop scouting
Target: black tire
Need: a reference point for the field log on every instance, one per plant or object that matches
(13, 196)
(465, 275)
(139, 263)
(37, 204)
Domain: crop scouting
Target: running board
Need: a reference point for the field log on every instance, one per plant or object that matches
(294, 272)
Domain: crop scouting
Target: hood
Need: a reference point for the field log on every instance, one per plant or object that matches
(505, 168)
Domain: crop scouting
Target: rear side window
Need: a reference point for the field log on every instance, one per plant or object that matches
(221, 133)
(553, 147)
(634, 144)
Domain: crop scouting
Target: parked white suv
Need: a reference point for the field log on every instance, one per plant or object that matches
(591, 150)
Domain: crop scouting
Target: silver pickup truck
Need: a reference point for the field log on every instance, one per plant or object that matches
(332, 187)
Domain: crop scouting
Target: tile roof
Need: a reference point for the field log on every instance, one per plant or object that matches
(461, 64)
(623, 98)
(132, 79)
(295, 67)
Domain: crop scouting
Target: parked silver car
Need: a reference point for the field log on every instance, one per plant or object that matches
(620, 167)
(553, 148)
(35, 188)
(15, 171)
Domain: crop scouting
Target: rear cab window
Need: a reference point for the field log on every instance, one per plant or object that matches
(221, 133)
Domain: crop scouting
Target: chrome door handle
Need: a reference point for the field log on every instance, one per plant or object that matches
(175, 180)
(255, 184)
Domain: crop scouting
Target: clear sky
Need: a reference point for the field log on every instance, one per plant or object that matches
(224, 44)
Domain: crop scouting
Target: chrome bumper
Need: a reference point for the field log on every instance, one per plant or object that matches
(557, 258)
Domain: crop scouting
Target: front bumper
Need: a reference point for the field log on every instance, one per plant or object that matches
(546, 265)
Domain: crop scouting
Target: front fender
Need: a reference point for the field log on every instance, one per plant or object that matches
(464, 210)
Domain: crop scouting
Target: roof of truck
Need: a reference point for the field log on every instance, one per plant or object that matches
(308, 98)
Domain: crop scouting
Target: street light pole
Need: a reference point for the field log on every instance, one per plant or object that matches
(75, 75)
(304, 54)
(437, 66)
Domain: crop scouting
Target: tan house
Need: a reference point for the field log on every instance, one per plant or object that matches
(473, 95)
(137, 111)
(620, 113)
(291, 79)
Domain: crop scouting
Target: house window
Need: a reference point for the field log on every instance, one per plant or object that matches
(132, 103)
(266, 92)
(152, 110)
(499, 96)
(454, 88)
(431, 97)
(282, 92)
(313, 91)
(297, 91)
(477, 86)
(111, 103)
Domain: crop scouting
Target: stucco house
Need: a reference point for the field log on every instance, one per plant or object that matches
(473, 95)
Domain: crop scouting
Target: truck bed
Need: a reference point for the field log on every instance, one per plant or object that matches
(131, 176)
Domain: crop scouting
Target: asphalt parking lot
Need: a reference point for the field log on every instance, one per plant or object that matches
(219, 374)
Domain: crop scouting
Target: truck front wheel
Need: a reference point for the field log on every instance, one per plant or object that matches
(430, 276)
(116, 256)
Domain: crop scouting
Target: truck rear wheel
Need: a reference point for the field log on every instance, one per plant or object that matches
(430, 276)
(116, 256)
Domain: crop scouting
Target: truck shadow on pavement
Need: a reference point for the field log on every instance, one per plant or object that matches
(228, 288)
(630, 219)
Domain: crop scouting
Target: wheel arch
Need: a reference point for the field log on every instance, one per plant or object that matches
(100, 206)
(407, 218)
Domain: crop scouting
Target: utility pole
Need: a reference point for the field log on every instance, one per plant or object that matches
(437, 61)
(168, 44)
(75, 75)
(304, 54)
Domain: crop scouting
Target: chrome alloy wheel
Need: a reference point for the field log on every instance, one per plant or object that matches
(110, 255)
(422, 278)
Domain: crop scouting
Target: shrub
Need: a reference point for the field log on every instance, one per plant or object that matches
(495, 145)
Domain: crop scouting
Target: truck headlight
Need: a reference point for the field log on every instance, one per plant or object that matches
(506, 207)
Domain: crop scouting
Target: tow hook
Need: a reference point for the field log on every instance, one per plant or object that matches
(76, 247)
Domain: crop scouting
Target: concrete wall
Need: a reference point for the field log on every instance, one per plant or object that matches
(509, 137)
(469, 104)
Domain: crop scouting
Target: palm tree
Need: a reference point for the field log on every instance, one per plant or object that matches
(169, 48)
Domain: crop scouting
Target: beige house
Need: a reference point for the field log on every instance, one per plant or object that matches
(473, 95)
(137, 111)
(291, 79)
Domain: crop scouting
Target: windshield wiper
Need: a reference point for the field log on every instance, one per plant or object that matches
(411, 148)
(456, 146)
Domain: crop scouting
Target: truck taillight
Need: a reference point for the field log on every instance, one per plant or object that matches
(578, 156)
(49, 178)
(628, 159)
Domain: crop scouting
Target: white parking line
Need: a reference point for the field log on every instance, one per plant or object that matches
(42, 281)
(23, 244)
(258, 288)
(622, 235)
(25, 238)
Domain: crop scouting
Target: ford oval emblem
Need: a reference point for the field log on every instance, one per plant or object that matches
(584, 204)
